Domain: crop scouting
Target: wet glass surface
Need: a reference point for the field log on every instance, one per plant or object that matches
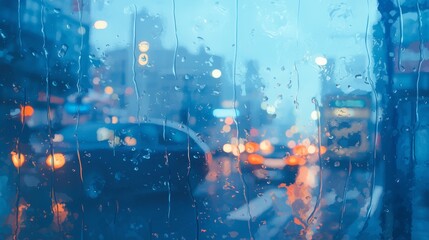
(214, 119)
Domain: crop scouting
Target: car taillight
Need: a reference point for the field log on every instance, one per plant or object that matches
(295, 160)
(255, 159)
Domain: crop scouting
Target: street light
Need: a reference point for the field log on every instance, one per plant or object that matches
(17, 159)
(100, 24)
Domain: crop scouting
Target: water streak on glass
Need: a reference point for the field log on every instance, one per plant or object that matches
(167, 164)
(19, 25)
(234, 101)
(174, 69)
(419, 68)
(18, 180)
(136, 87)
(176, 38)
(401, 36)
(375, 138)
(311, 217)
(79, 89)
(297, 23)
(48, 108)
(18, 196)
(343, 207)
(297, 85)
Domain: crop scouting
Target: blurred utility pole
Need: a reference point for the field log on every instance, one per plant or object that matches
(398, 126)
(384, 88)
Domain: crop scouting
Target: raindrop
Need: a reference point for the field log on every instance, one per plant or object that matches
(358, 76)
(68, 26)
(63, 50)
(338, 85)
(136, 168)
(265, 98)
(67, 86)
(54, 83)
(2, 35)
(183, 59)
(57, 10)
(187, 77)
(337, 164)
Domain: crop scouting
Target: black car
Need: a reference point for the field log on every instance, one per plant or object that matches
(268, 164)
(110, 177)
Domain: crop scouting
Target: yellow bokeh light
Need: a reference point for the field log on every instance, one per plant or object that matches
(57, 162)
(226, 128)
(294, 129)
(130, 141)
(115, 120)
(306, 142)
(291, 144)
(143, 46)
(265, 145)
(96, 80)
(315, 115)
(241, 147)
(100, 24)
(216, 73)
(227, 148)
(58, 138)
(143, 59)
(108, 90)
(321, 61)
(311, 149)
(17, 161)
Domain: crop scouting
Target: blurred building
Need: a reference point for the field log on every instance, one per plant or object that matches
(43, 50)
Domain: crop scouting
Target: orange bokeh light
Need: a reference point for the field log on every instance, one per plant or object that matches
(322, 150)
(17, 161)
(300, 150)
(294, 160)
(58, 162)
(255, 159)
(229, 121)
(27, 111)
(252, 147)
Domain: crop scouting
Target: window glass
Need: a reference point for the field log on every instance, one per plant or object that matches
(214, 119)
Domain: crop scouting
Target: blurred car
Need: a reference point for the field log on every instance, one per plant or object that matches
(123, 159)
(267, 163)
